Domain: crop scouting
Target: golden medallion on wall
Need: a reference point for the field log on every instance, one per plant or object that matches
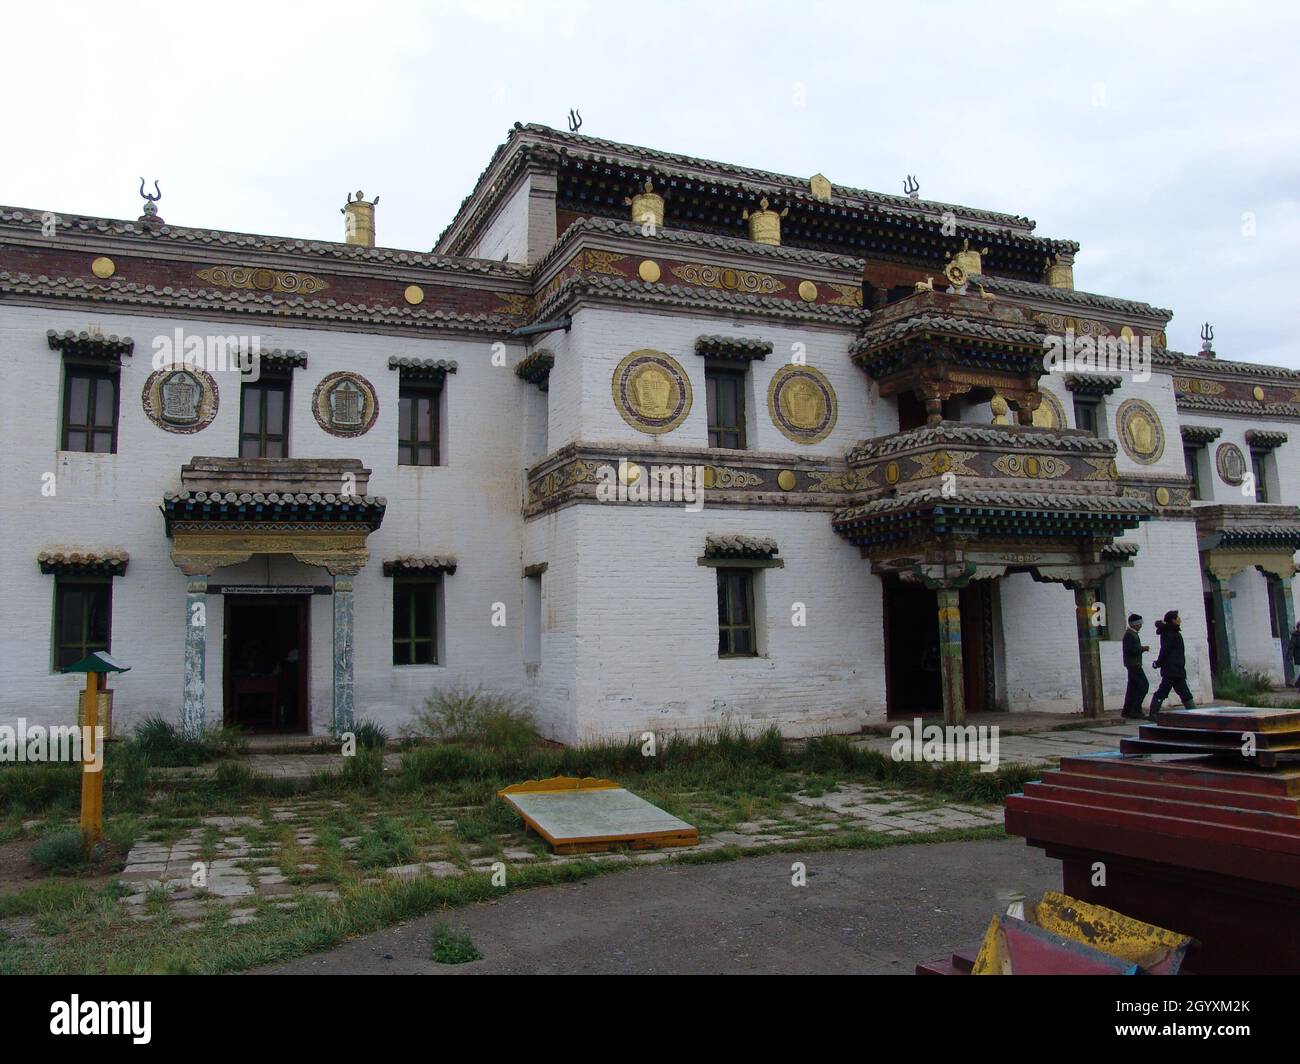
(1050, 413)
(1231, 463)
(802, 403)
(345, 404)
(1140, 431)
(181, 398)
(651, 391)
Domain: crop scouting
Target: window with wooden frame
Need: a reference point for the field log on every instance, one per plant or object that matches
(725, 388)
(418, 424)
(83, 618)
(1192, 463)
(1259, 466)
(89, 409)
(1087, 414)
(264, 417)
(415, 620)
(737, 633)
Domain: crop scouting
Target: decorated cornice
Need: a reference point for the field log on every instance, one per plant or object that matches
(1248, 527)
(1228, 400)
(1020, 438)
(60, 561)
(420, 565)
(1210, 368)
(88, 345)
(536, 368)
(1033, 291)
(1264, 440)
(434, 370)
(278, 360)
(1200, 435)
(733, 348)
(194, 511)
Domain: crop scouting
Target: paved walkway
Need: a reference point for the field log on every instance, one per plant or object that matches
(876, 912)
(1037, 748)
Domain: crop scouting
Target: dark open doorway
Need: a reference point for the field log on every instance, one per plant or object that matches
(913, 684)
(265, 665)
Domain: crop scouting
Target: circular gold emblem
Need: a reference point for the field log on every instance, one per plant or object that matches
(651, 391)
(649, 271)
(181, 399)
(786, 480)
(414, 294)
(1258, 393)
(103, 268)
(1032, 466)
(1231, 463)
(629, 472)
(710, 476)
(801, 403)
(345, 404)
(1140, 431)
(807, 291)
(891, 473)
(1162, 496)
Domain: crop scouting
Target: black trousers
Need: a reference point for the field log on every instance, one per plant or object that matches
(1172, 683)
(1138, 686)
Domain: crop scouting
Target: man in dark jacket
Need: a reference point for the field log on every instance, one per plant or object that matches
(1138, 684)
(1295, 652)
(1172, 663)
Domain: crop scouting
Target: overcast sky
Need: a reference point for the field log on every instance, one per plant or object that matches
(1145, 131)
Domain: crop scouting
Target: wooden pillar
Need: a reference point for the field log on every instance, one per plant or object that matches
(343, 701)
(92, 775)
(193, 688)
(1225, 633)
(950, 659)
(1288, 623)
(1094, 704)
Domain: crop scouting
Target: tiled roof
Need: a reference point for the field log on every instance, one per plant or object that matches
(536, 368)
(1015, 287)
(281, 359)
(1263, 439)
(1199, 434)
(434, 369)
(1193, 363)
(271, 507)
(1093, 383)
(739, 546)
(420, 564)
(1261, 536)
(1044, 504)
(1119, 550)
(1246, 407)
(960, 432)
(739, 348)
(89, 346)
(64, 562)
(930, 321)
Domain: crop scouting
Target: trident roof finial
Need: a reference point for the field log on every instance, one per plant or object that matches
(575, 120)
(912, 187)
(150, 210)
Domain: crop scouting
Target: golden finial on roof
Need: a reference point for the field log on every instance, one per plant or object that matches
(765, 224)
(647, 208)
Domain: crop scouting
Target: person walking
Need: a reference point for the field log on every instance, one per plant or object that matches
(1172, 663)
(1295, 652)
(1138, 684)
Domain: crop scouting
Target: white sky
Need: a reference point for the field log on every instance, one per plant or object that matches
(1142, 130)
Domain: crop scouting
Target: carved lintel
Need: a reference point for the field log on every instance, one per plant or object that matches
(1223, 565)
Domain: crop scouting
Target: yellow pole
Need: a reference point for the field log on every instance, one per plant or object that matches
(92, 782)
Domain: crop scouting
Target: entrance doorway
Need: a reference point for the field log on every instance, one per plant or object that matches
(913, 684)
(265, 662)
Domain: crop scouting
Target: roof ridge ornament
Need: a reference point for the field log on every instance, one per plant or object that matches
(150, 215)
(1207, 340)
(575, 120)
(912, 187)
(765, 224)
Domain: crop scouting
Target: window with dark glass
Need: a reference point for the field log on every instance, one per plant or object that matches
(1087, 413)
(726, 401)
(264, 418)
(83, 619)
(737, 636)
(417, 425)
(415, 621)
(1259, 466)
(89, 410)
(1276, 607)
(1192, 463)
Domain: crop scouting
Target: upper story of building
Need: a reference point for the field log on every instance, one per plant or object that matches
(590, 294)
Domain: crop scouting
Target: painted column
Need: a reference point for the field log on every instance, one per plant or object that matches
(950, 661)
(1225, 633)
(193, 691)
(1085, 600)
(1288, 624)
(343, 707)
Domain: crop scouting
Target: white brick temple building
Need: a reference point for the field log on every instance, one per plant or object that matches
(435, 470)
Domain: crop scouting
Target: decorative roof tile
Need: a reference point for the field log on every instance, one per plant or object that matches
(422, 369)
(420, 565)
(739, 546)
(223, 508)
(1200, 434)
(735, 348)
(1030, 289)
(277, 359)
(536, 368)
(90, 345)
(63, 562)
(1092, 383)
(1264, 439)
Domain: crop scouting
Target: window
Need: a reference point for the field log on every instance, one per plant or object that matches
(1259, 466)
(89, 410)
(737, 636)
(1110, 596)
(264, 418)
(83, 619)
(417, 425)
(726, 402)
(415, 621)
(1192, 462)
(533, 620)
(1087, 413)
(1276, 607)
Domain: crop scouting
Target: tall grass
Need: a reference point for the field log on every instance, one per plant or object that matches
(1242, 685)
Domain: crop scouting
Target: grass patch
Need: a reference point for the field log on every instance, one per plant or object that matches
(451, 946)
(62, 853)
(386, 844)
